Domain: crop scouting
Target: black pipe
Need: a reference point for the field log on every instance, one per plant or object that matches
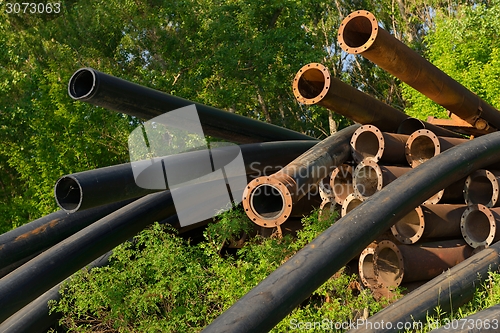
(97, 88)
(96, 187)
(449, 291)
(487, 320)
(36, 236)
(35, 317)
(277, 295)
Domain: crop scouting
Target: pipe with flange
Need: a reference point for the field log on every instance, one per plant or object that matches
(350, 202)
(268, 200)
(483, 187)
(449, 291)
(47, 231)
(284, 289)
(365, 266)
(341, 183)
(424, 144)
(429, 222)
(394, 263)
(369, 142)
(325, 190)
(370, 177)
(480, 225)
(96, 187)
(487, 320)
(359, 33)
(97, 88)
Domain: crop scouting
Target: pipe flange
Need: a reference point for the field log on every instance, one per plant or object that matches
(325, 189)
(360, 20)
(421, 146)
(481, 187)
(410, 228)
(388, 264)
(365, 267)
(367, 142)
(350, 202)
(267, 201)
(311, 84)
(341, 183)
(478, 226)
(367, 179)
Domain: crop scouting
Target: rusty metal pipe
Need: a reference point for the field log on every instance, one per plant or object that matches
(370, 177)
(268, 200)
(313, 84)
(369, 142)
(482, 187)
(394, 263)
(480, 225)
(359, 33)
(341, 183)
(410, 125)
(97, 88)
(424, 144)
(365, 267)
(350, 202)
(429, 222)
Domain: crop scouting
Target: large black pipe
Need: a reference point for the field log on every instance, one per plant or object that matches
(35, 317)
(96, 187)
(449, 291)
(31, 238)
(277, 295)
(97, 88)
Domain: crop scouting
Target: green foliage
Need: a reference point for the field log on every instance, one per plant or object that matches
(163, 283)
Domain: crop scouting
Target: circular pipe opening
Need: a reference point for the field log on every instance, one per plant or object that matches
(81, 84)
(479, 189)
(267, 201)
(349, 204)
(341, 183)
(357, 31)
(68, 194)
(477, 227)
(366, 268)
(421, 146)
(367, 179)
(367, 143)
(311, 84)
(410, 228)
(389, 265)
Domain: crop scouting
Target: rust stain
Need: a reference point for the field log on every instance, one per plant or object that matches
(41, 229)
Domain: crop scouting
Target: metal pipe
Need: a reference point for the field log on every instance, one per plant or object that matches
(268, 200)
(449, 291)
(278, 294)
(365, 267)
(429, 222)
(482, 187)
(97, 88)
(326, 210)
(350, 202)
(96, 187)
(369, 177)
(36, 236)
(341, 183)
(325, 190)
(410, 125)
(453, 194)
(424, 144)
(313, 84)
(359, 33)
(487, 320)
(395, 263)
(480, 225)
(369, 142)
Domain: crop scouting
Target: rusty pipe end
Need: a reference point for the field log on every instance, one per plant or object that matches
(325, 189)
(481, 187)
(478, 226)
(388, 264)
(365, 267)
(421, 146)
(367, 142)
(358, 32)
(341, 183)
(311, 83)
(410, 228)
(268, 201)
(350, 202)
(367, 179)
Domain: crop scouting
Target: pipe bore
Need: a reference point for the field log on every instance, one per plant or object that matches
(69, 194)
(479, 226)
(367, 179)
(82, 84)
(341, 183)
(481, 187)
(365, 267)
(388, 264)
(410, 228)
(358, 32)
(368, 142)
(311, 83)
(350, 202)
(421, 146)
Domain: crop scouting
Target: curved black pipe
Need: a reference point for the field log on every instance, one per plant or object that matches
(277, 295)
(96, 187)
(97, 88)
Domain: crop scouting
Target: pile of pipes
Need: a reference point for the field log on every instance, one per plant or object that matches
(387, 172)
